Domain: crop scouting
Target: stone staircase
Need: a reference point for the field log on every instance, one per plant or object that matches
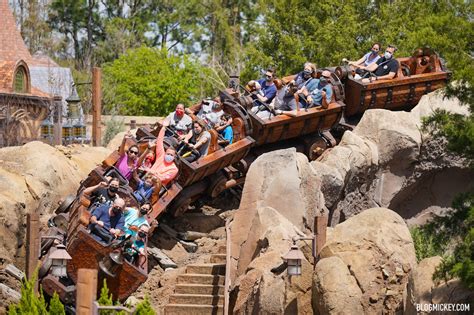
(201, 289)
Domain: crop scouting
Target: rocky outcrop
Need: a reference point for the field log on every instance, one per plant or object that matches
(258, 290)
(281, 197)
(374, 250)
(335, 289)
(423, 290)
(386, 161)
(37, 174)
(281, 180)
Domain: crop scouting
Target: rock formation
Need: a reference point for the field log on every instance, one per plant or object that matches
(33, 175)
(280, 200)
(374, 253)
(387, 161)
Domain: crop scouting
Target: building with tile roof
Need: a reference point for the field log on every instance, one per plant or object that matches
(27, 84)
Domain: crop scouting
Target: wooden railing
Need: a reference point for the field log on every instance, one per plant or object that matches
(228, 225)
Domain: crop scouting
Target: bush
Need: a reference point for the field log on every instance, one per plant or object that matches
(34, 304)
(455, 230)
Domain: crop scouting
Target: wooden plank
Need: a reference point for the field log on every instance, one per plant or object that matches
(86, 291)
(163, 260)
(32, 244)
(14, 272)
(12, 294)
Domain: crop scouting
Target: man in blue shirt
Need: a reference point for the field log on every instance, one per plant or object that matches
(225, 130)
(137, 218)
(268, 88)
(321, 93)
(107, 221)
(145, 188)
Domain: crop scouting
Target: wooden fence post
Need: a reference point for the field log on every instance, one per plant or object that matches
(96, 107)
(320, 228)
(86, 291)
(32, 245)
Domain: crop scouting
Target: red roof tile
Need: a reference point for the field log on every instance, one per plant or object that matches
(12, 46)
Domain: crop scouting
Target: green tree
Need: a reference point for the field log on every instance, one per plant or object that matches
(55, 306)
(148, 81)
(144, 308)
(68, 17)
(32, 303)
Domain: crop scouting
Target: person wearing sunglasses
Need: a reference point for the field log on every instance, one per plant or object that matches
(128, 160)
(135, 218)
(134, 251)
(369, 58)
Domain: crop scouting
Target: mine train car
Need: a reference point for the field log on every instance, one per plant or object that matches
(417, 75)
(225, 167)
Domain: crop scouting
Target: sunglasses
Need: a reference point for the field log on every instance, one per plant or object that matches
(133, 152)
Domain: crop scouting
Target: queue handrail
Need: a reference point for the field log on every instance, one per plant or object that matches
(227, 284)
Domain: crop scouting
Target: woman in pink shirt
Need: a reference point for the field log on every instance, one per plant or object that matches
(164, 167)
(128, 161)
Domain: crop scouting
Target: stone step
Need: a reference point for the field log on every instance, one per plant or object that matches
(196, 299)
(199, 289)
(194, 309)
(218, 258)
(191, 278)
(209, 269)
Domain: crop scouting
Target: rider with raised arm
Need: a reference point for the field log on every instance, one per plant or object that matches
(164, 167)
(128, 160)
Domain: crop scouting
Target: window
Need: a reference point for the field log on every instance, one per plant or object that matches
(20, 84)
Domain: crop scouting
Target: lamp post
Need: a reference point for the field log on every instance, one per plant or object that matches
(59, 261)
(73, 106)
(293, 259)
(294, 256)
(73, 103)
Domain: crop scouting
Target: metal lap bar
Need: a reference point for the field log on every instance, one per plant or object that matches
(388, 101)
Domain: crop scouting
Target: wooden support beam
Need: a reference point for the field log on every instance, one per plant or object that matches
(320, 228)
(96, 107)
(32, 244)
(86, 291)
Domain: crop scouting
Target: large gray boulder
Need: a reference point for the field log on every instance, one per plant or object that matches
(378, 252)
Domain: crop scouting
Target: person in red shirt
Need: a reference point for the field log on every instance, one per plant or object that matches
(164, 167)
